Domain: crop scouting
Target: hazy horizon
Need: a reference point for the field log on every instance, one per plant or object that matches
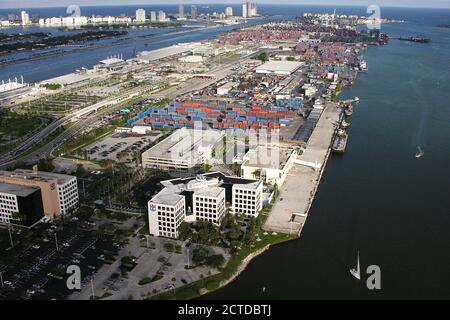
(24, 4)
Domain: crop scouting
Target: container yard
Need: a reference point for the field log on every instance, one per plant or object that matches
(220, 115)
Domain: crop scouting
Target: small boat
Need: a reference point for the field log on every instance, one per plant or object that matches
(419, 153)
(356, 272)
(345, 124)
(348, 111)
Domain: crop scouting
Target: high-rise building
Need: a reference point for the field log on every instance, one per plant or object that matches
(252, 9)
(249, 9)
(181, 11)
(140, 15)
(152, 16)
(194, 12)
(161, 16)
(244, 10)
(229, 11)
(25, 18)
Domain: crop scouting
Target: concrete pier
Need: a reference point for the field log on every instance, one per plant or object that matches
(291, 210)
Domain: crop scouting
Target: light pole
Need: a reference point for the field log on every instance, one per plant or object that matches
(147, 237)
(188, 258)
(10, 235)
(56, 242)
(92, 288)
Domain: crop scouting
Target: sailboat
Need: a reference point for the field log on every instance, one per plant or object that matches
(356, 272)
(419, 153)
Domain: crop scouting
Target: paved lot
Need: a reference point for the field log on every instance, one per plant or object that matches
(297, 193)
(110, 146)
(149, 261)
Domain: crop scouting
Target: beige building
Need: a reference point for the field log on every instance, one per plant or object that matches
(59, 191)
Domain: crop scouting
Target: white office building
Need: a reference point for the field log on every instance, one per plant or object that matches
(153, 16)
(183, 149)
(140, 15)
(161, 16)
(25, 18)
(244, 10)
(203, 198)
(194, 12)
(229, 11)
(166, 212)
(248, 198)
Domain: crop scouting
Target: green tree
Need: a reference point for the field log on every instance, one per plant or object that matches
(199, 255)
(80, 172)
(263, 57)
(215, 261)
(184, 231)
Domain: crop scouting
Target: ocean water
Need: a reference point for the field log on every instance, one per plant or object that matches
(378, 198)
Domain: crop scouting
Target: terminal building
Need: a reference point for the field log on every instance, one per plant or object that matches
(183, 149)
(203, 198)
(58, 193)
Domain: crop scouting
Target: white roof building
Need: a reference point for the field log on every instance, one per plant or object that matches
(279, 67)
(183, 149)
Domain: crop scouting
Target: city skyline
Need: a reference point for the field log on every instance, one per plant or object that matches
(11, 4)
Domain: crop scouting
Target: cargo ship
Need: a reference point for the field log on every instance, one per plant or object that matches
(415, 39)
(340, 142)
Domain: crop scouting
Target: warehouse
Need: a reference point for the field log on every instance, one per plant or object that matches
(68, 80)
(158, 54)
(226, 88)
(183, 149)
(279, 67)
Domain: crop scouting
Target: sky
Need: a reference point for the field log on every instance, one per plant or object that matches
(61, 3)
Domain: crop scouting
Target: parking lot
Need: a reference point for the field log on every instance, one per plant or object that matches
(40, 270)
(120, 146)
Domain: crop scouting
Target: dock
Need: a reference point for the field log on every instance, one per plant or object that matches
(297, 194)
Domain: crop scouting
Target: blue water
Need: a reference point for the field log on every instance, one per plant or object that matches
(38, 70)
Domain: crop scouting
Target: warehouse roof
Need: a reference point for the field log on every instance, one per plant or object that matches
(149, 56)
(279, 67)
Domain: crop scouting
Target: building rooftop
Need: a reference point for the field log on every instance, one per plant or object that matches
(207, 185)
(18, 190)
(268, 157)
(61, 178)
(184, 144)
(209, 192)
(149, 56)
(167, 197)
(281, 67)
(68, 79)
